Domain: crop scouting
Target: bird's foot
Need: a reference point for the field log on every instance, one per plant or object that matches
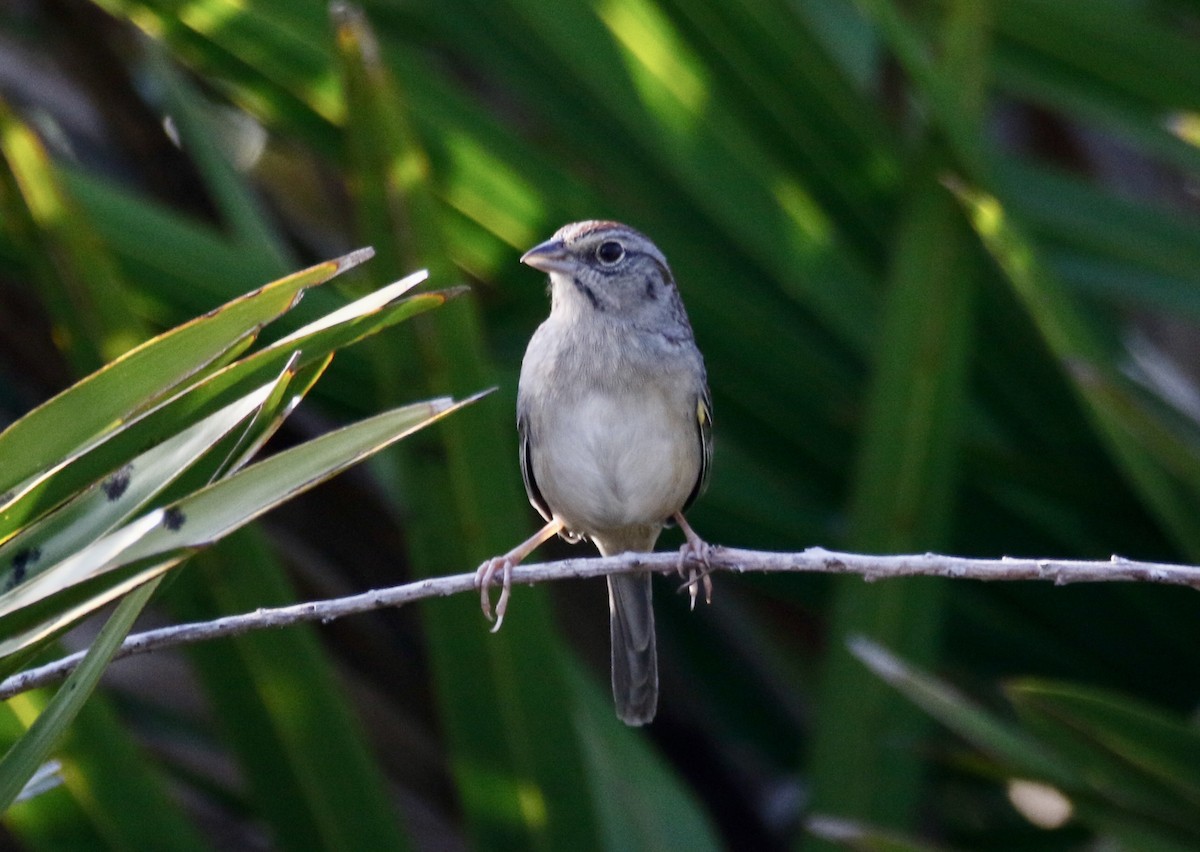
(695, 550)
(484, 577)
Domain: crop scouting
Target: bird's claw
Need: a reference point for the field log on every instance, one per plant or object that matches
(505, 564)
(483, 581)
(695, 550)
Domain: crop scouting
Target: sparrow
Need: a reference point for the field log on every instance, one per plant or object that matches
(614, 417)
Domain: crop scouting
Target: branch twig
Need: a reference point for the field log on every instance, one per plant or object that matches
(813, 560)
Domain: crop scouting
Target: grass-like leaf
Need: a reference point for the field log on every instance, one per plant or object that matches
(81, 415)
(23, 759)
(1132, 754)
(517, 758)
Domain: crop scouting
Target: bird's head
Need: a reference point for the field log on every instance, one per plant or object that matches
(605, 267)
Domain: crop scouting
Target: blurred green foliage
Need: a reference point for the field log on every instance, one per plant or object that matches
(942, 259)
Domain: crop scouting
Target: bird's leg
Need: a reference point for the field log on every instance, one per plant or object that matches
(697, 550)
(505, 564)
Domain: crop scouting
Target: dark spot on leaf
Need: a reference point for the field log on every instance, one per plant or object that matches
(21, 561)
(26, 557)
(174, 519)
(117, 484)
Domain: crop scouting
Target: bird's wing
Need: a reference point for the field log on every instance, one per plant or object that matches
(704, 435)
(531, 486)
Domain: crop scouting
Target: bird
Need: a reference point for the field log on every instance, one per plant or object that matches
(614, 419)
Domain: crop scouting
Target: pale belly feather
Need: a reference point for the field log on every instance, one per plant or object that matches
(609, 462)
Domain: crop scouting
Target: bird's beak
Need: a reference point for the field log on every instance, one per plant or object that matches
(550, 256)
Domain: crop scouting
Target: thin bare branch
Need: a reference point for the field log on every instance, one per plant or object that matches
(814, 560)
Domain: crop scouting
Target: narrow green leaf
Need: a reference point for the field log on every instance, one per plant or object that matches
(1052, 759)
(35, 625)
(77, 278)
(952, 88)
(503, 699)
(621, 770)
(217, 510)
(309, 774)
(99, 557)
(1131, 753)
(787, 91)
(314, 344)
(1005, 742)
(1123, 49)
(176, 261)
(110, 778)
(1114, 233)
(240, 207)
(863, 765)
(902, 501)
(89, 409)
(22, 760)
(51, 543)
(54, 820)
(1087, 349)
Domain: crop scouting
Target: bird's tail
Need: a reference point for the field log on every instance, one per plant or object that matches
(634, 658)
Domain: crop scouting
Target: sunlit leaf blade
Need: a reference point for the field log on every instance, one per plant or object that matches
(32, 627)
(225, 506)
(100, 557)
(50, 544)
(828, 123)
(217, 510)
(236, 450)
(254, 45)
(314, 343)
(72, 532)
(86, 411)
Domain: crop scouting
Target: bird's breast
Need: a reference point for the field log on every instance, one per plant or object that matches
(609, 460)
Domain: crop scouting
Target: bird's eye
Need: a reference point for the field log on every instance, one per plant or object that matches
(610, 252)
